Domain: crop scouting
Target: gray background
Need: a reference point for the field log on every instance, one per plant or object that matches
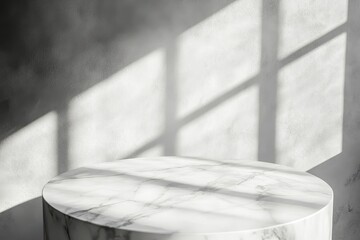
(91, 81)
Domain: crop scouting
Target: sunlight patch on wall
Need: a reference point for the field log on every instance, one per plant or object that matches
(119, 114)
(28, 159)
(304, 21)
(310, 112)
(228, 131)
(218, 54)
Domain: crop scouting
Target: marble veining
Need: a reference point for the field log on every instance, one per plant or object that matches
(190, 198)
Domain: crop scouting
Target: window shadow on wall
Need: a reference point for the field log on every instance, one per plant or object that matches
(57, 85)
(266, 79)
(268, 83)
(342, 171)
(55, 51)
(51, 52)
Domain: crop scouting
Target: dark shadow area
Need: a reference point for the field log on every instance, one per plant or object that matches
(62, 139)
(170, 100)
(268, 81)
(52, 51)
(22, 222)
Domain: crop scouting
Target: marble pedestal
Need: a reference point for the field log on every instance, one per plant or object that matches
(172, 198)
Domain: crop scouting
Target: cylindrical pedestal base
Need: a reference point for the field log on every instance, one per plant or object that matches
(58, 226)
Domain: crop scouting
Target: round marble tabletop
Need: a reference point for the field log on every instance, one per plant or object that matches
(186, 195)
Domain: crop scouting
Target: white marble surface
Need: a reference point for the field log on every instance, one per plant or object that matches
(195, 198)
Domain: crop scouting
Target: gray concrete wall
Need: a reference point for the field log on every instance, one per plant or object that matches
(91, 81)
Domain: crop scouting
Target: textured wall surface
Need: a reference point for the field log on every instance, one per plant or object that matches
(91, 81)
